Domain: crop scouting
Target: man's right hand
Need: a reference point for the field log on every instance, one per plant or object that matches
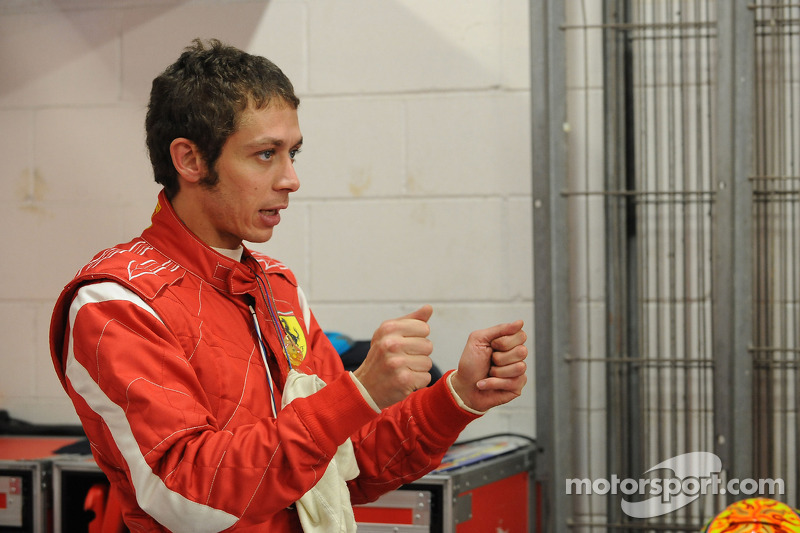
(398, 361)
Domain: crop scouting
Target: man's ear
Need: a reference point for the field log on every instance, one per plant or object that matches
(188, 160)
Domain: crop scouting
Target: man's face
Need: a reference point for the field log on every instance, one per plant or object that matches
(256, 174)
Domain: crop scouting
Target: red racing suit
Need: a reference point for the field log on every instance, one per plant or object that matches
(155, 342)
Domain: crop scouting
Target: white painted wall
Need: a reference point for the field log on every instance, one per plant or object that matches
(415, 170)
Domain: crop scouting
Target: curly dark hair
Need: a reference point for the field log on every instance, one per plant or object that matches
(201, 97)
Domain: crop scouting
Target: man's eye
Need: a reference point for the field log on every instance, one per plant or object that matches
(293, 153)
(266, 154)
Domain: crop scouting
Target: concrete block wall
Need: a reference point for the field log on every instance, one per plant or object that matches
(415, 173)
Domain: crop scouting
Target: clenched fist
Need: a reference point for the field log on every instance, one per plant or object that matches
(398, 361)
(492, 367)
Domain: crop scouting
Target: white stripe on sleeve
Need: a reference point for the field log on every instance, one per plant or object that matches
(168, 507)
(303, 301)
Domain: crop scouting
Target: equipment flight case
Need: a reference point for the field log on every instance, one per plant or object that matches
(481, 486)
(25, 488)
(484, 485)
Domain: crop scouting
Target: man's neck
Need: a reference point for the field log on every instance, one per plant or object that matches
(236, 254)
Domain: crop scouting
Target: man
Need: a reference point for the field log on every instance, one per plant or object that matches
(181, 348)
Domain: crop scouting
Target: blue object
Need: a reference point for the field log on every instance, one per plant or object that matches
(340, 341)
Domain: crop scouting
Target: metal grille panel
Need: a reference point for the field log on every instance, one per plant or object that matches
(776, 215)
(672, 246)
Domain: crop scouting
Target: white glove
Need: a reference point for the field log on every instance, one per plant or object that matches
(326, 508)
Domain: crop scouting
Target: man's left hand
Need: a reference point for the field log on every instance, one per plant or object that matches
(491, 370)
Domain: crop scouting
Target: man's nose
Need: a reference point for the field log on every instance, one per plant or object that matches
(289, 179)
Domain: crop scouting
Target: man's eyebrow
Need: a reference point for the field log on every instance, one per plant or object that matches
(272, 141)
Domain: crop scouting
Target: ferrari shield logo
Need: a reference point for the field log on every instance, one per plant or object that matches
(293, 339)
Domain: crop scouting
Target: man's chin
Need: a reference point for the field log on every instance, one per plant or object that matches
(259, 237)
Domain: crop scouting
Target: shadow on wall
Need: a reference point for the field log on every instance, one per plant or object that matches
(398, 47)
(76, 54)
(82, 52)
